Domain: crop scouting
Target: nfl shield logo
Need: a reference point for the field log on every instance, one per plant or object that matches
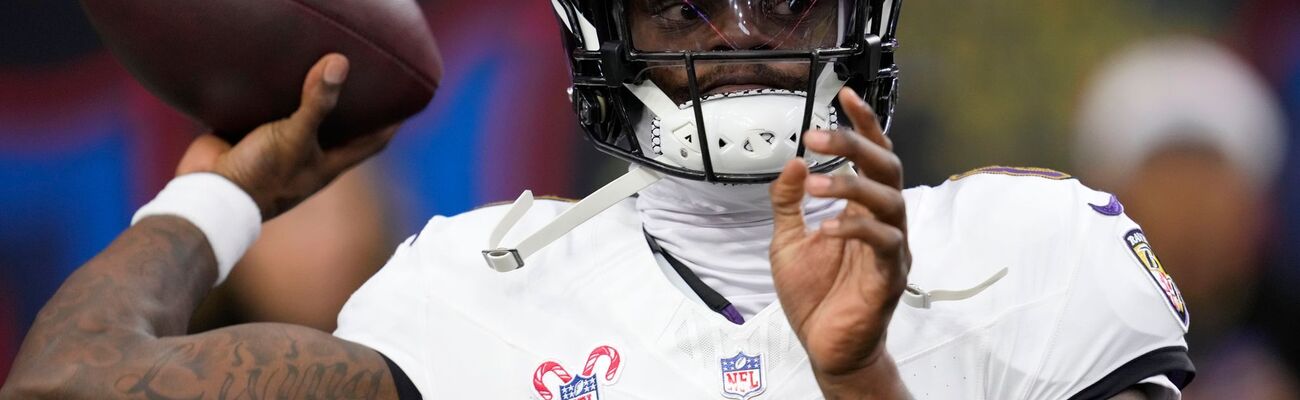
(581, 388)
(742, 376)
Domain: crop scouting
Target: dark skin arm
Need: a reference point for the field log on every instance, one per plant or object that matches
(115, 329)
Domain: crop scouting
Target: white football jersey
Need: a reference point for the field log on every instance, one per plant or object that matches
(1084, 310)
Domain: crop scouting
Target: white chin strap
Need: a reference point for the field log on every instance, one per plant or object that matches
(505, 259)
(751, 131)
(920, 298)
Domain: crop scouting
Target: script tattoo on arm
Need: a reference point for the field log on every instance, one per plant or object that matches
(257, 361)
(115, 330)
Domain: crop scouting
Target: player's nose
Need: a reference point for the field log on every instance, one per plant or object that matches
(737, 30)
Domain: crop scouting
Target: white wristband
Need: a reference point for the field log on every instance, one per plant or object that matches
(227, 216)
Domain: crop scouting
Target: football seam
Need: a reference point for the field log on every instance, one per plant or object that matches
(427, 81)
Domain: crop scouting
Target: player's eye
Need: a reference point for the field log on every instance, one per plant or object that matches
(680, 11)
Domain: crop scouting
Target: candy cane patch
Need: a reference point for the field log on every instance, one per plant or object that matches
(585, 386)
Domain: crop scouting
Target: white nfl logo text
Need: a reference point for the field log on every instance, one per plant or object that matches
(742, 376)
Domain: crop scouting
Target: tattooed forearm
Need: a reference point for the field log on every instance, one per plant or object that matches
(259, 361)
(111, 332)
(144, 285)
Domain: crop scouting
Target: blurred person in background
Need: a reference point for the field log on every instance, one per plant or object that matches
(1190, 138)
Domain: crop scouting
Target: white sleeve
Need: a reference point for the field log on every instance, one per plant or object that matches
(1122, 320)
(388, 313)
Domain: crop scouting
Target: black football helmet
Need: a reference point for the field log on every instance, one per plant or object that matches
(650, 77)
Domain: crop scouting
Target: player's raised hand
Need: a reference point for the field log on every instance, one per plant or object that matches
(282, 163)
(839, 284)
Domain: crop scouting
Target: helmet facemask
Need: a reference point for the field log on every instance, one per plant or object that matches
(649, 73)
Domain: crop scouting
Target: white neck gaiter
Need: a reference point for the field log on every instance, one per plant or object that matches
(722, 233)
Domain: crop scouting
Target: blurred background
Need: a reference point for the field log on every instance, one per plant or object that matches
(1188, 110)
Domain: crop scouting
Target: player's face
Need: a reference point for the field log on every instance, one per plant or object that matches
(724, 25)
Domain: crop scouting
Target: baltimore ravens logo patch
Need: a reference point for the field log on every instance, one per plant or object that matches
(1137, 243)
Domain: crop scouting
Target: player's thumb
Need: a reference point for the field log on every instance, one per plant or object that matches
(202, 154)
(320, 93)
(787, 200)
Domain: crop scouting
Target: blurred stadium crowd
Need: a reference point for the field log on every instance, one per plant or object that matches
(1187, 110)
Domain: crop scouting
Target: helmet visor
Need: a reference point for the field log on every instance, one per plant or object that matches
(729, 25)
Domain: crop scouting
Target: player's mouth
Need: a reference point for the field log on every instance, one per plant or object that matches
(731, 83)
(733, 89)
(728, 79)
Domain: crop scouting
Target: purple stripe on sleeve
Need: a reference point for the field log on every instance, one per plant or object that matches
(1113, 208)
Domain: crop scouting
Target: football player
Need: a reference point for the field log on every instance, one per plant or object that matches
(765, 256)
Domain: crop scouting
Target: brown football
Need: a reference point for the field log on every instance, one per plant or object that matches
(237, 64)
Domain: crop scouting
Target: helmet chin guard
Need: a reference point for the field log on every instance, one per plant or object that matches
(749, 131)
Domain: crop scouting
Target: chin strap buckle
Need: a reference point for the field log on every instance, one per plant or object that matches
(503, 260)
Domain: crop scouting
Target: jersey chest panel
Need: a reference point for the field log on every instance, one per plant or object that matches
(559, 322)
(553, 326)
(551, 330)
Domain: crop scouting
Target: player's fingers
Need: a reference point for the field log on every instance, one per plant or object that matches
(886, 240)
(320, 93)
(202, 154)
(874, 161)
(864, 118)
(359, 149)
(787, 200)
(884, 202)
